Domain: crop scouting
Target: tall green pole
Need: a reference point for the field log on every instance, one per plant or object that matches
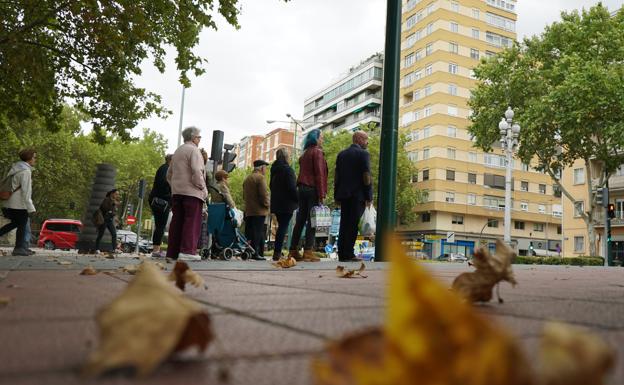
(386, 199)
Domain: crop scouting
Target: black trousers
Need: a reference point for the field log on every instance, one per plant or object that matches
(254, 231)
(351, 211)
(110, 225)
(308, 198)
(283, 221)
(19, 221)
(160, 222)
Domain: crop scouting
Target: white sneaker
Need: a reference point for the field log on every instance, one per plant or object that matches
(188, 257)
(97, 252)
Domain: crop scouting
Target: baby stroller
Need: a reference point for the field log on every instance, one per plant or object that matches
(227, 240)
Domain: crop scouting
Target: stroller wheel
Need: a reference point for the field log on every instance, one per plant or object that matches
(228, 253)
(205, 254)
(246, 255)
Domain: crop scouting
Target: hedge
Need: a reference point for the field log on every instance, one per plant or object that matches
(573, 261)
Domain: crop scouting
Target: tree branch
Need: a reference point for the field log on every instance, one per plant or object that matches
(42, 20)
(57, 52)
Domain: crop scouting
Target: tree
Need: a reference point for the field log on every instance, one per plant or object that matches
(567, 89)
(89, 51)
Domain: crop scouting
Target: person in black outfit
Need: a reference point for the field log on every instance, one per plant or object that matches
(353, 190)
(159, 199)
(284, 199)
(108, 207)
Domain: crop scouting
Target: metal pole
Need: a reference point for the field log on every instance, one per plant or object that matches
(508, 151)
(386, 199)
(139, 224)
(294, 154)
(181, 117)
(608, 257)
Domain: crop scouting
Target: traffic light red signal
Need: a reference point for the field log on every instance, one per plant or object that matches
(611, 210)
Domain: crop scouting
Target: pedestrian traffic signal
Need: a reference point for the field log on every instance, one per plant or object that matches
(531, 252)
(611, 210)
(602, 197)
(228, 158)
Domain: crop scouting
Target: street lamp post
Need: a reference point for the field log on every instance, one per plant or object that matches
(297, 124)
(509, 132)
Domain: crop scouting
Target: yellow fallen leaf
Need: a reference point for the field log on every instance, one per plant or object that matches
(65, 263)
(285, 263)
(490, 269)
(89, 270)
(148, 322)
(5, 300)
(572, 356)
(183, 274)
(131, 269)
(343, 272)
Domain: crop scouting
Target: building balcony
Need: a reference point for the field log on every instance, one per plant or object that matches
(618, 221)
(350, 123)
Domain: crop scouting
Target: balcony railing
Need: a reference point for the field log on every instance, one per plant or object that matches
(356, 120)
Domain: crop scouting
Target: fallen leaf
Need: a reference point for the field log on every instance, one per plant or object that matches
(490, 269)
(430, 336)
(5, 300)
(51, 260)
(131, 269)
(160, 265)
(285, 263)
(183, 274)
(343, 272)
(148, 322)
(64, 263)
(3, 253)
(89, 270)
(572, 356)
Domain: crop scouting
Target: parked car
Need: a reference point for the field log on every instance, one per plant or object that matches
(127, 240)
(452, 257)
(59, 234)
(367, 254)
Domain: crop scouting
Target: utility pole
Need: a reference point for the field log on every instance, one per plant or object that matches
(181, 116)
(386, 203)
(141, 194)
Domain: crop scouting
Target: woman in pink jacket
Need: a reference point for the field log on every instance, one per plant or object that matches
(186, 175)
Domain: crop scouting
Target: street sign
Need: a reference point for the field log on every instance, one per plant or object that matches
(450, 237)
(131, 219)
(433, 237)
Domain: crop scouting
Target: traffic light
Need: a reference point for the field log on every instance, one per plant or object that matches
(531, 252)
(602, 197)
(217, 143)
(228, 158)
(141, 188)
(611, 210)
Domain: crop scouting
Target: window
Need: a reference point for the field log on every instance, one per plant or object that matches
(518, 225)
(410, 22)
(472, 199)
(450, 197)
(559, 229)
(502, 4)
(451, 131)
(414, 178)
(579, 175)
(428, 49)
(498, 40)
(425, 175)
(542, 188)
(524, 206)
(427, 111)
(428, 69)
(579, 207)
(539, 227)
(474, 53)
(492, 223)
(472, 178)
(430, 8)
(493, 160)
(429, 28)
(475, 33)
(494, 181)
(454, 27)
(579, 244)
(452, 110)
(413, 156)
(410, 41)
(453, 68)
(428, 90)
(408, 79)
(450, 153)
(541, 209)
(524, 186)
(557, 211)
(409, 60)
(450, 174)
(458, 219)
(500, 22)
(452, 89)
(425, 154)
(453, 48)
(407, 118)
(425, 217)
(472, 157)
(454, 6)
(427, 132)
(475, 13)
(525, 167)
(416, 95)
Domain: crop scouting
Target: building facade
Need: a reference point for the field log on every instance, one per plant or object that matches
(442, 41)
(248, 149)
(263, 147)
(352, 100)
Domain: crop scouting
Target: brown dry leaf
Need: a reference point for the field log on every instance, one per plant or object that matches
(3, 253)
(490, 269)
(160, 265)
(148, 322)
(131, 269)
(572, 356)
(430, 337)
(183, 274)
(343, 272)
(285, 263)
(89, 270)
(5, 300)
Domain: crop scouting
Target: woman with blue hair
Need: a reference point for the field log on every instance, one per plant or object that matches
(311, 190)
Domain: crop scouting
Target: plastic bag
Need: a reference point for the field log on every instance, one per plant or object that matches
(368, 223)
(320, 216)
(238, 217)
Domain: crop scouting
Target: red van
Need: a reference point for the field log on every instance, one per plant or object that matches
(59, 234)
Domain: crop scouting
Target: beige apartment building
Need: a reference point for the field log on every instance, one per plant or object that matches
(263, 147)
(442, 41)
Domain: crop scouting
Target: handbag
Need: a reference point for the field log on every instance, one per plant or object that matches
(98, 218)
(160, 204)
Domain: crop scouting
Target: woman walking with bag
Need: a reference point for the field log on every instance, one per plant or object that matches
(284, 199)
(159, 200)
(311, 190)
(108, 210)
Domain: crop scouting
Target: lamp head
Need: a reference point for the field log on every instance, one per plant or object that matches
(270, 121)
(502, 126)
(509, 114)
(288, 115)
(515, 129)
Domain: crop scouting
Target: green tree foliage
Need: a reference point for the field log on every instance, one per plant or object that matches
(567, 89)
(235, 183)
(90, 51)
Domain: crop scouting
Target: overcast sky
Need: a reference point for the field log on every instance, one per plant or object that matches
(285, 52)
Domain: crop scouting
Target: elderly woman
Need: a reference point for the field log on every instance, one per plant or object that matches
(284, 199)
(221, 177)
(186, 175)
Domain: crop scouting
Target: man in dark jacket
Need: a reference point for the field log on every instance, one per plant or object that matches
(353, 190)
(159, 200)
(283, 197)
(256, 197)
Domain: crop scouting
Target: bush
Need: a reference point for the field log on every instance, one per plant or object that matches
(573, 261)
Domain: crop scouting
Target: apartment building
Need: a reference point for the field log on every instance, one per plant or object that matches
(346, 103)
(442, 41)
(248, 149)
(255, 147)
(274, 140)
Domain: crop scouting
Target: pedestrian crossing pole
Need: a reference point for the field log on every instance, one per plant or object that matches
(386, 198)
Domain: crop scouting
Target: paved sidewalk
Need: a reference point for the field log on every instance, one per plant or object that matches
(268, 322)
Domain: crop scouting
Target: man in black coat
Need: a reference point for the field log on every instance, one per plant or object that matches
(353, 190)
(159, 200)
(284, 200)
